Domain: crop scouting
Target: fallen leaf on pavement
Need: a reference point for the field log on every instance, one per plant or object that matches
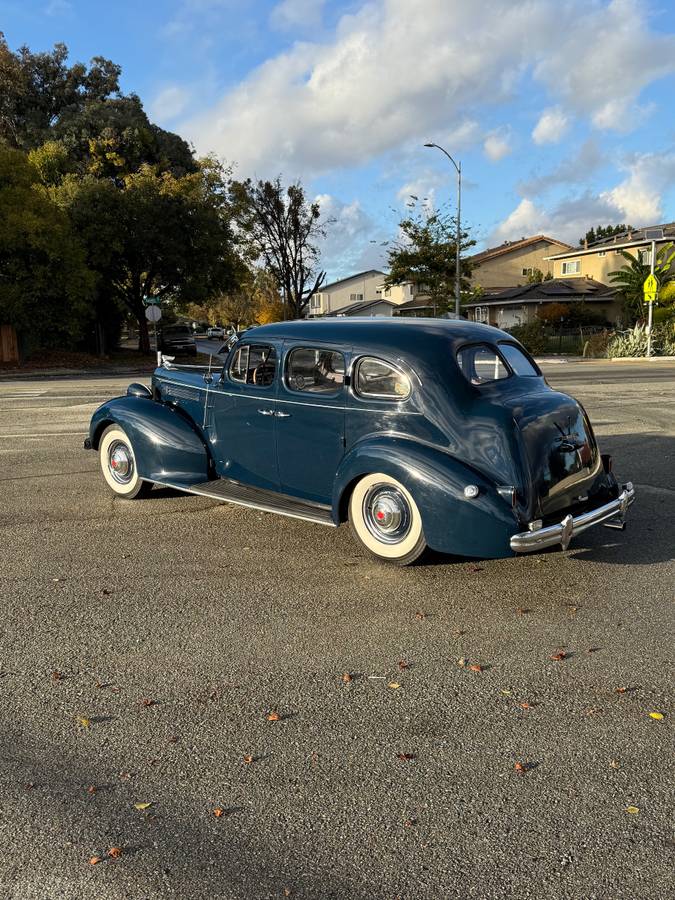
(273, 717)
(143, 806)
(506, 692)
(394, 685)
(248, 759)
(525, 705)
(346, 677)
(115, 852)
(461, 662)
(520, 768)
(93, 860)
(420, 615)
(473, 568)
(57, 676)
(559, 655)
(217, 812)
(632, 810)
(405, 757)
(620, 690)
(91, 789)
(403, 664)
(521, 610)
(83, 721)
(656, 715)
(614, 763)
(146, 701)
(475, 668)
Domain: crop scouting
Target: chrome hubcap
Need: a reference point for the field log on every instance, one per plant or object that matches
(120, 462)
(386, 514)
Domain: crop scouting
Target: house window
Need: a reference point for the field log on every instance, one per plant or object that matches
(602, 253)
(571, 268)
(356, 298)
(480, 314)
(528, 271)
(315, 301)
(645, 257)
(412, 289)
(387, 292)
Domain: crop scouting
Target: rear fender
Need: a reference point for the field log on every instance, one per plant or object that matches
(452, 523)
(166, 445)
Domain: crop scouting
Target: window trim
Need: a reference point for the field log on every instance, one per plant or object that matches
(336, 393)
(395, 398)
(245, 383)
(571, 262)
(504, 361)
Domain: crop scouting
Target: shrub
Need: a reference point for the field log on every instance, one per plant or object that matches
(596, 345)
(531, 336)
(634, 341)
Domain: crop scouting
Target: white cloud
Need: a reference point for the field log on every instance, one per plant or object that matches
(637, 200)
(291, 14)
(550, 128)
(58, 8)
(169, 103)
(354, 242)
(573, 170)
(364, 92)
(497, 145)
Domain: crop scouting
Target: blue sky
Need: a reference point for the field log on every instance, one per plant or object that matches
(561, 111)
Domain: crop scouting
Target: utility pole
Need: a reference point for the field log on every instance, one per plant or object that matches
(458, 281)
(650, 311)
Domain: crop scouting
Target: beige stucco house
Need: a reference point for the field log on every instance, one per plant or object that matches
(600, 258)
(510, 264)
(360, 288)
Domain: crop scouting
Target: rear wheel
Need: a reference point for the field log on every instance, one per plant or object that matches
(385, 519)
(118, 465)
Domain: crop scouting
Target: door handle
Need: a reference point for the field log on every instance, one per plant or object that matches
(266, 412)
(283, 415)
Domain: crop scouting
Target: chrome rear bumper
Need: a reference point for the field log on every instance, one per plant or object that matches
(612, 514)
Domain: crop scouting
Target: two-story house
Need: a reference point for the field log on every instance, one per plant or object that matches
(338, 296)
(511, 263)
(598, 259)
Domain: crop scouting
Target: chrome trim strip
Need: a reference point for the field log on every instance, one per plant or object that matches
(261, 506)
(563, 532)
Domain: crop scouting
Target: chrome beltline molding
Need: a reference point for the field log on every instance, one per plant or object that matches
(563, 532)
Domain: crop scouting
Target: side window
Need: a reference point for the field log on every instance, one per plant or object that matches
(481, 364)
(254, 364)
(519, 363)
(315, 371)
(377, 378)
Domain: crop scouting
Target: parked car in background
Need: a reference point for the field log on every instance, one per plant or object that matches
(177, 339)
(215, 331)
(418, 432)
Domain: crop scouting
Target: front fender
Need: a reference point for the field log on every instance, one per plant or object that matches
(166, 446)
(452, 523)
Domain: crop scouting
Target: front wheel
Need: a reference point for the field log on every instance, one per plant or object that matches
(385, 519)
(118, 465)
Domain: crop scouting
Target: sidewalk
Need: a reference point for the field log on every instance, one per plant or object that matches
(110, 371)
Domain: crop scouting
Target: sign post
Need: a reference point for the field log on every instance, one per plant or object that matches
(650, 290)
(153, 314)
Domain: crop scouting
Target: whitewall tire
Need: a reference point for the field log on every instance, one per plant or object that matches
(385, 519)
(118, 464)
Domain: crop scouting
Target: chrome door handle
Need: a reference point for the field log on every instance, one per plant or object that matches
(283, 415)
(266, 412)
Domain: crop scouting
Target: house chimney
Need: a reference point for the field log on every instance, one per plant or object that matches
(630, 235)
(585, 243)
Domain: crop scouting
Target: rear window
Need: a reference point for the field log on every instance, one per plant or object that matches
(481, 364)
(177, 331)
(517, 361)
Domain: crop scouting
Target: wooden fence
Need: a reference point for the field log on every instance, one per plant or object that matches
(9, 345)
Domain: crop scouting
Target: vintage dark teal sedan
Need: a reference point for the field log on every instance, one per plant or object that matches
(418, 432)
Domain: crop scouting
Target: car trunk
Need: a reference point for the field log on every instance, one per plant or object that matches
(560, 450)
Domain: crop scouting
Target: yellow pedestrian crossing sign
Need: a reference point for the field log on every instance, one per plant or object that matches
(650, 289)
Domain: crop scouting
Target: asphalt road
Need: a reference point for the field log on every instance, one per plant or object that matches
(144, 644)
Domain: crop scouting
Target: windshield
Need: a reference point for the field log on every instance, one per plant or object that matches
(177, 330)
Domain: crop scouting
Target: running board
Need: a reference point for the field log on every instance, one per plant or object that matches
(259, 498)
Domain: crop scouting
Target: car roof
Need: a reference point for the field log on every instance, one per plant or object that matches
(396, 331)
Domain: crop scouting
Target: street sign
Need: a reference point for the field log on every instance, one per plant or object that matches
(150, 301)
(153, 313)
(650, 289)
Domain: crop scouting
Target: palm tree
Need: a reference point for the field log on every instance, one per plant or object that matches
(630, 278)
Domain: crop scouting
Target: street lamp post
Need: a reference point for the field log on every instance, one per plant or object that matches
(458, 167)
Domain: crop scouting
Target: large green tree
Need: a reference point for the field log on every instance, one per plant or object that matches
(152, 234)
(279, 229)
(603, 231)
(45, 285)
(425, 254)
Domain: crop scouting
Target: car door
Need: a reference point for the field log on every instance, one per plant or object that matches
(311, 419)
(243, 416)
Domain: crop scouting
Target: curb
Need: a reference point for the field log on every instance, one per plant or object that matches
(34, 374)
